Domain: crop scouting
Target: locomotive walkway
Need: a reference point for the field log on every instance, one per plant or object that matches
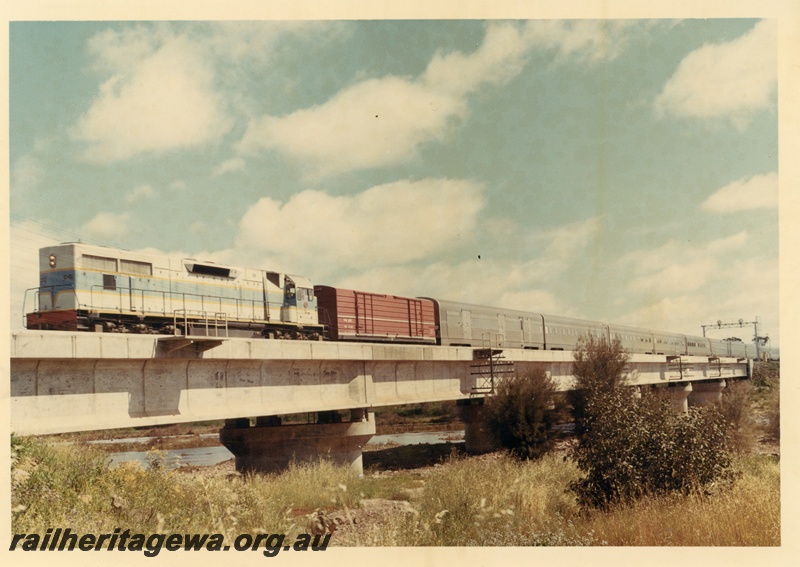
(67, 381)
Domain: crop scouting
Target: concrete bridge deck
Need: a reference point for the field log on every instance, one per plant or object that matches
(64, 381)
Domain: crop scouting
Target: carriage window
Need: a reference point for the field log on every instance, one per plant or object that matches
(100, 263)
(133, 267)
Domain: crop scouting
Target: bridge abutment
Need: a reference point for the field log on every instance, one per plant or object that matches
(270, 446)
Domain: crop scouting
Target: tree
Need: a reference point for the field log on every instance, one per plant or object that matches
(522, 412)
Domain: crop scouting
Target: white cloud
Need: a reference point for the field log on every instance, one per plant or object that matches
(374, 123)
(757, 192)
(385, 121)
(563, 244)
(499, 282)
(388, 224)
(160, 97)
(233, 164)
(679, 314)
(106, 226)
(679, 287)
(725, 80)
(739, 289)
(26, 174)
(586, 40)
(499, 59)
(237, 41)
(140, 193)
(496, 283)
(676, 267)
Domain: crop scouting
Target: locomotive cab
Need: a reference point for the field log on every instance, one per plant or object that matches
(299, 301)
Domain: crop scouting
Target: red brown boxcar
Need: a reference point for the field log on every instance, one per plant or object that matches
(359, 315)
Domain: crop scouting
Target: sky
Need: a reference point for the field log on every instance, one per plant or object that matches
(624, 171)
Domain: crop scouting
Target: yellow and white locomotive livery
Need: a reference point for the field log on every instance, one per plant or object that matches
(86, 287)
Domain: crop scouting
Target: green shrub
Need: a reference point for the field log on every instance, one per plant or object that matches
(629, 447)
(633, 448)
(521, 414)
(599, 368)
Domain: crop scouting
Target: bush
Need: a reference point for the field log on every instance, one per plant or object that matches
(633, 448)
(766, 375)
(599, 368)
(766, 379)
(628, 447)
(521, 414)
(736, 408)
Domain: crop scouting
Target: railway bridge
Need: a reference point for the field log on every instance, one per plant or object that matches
(73, 381)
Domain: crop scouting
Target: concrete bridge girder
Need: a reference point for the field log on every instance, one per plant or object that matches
(79, 381)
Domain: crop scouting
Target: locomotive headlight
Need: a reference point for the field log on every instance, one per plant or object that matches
(52, 260)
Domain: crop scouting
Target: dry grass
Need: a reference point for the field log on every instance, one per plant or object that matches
(746, 515)
(492, 500)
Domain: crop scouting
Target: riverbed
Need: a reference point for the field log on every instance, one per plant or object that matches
(208, 456)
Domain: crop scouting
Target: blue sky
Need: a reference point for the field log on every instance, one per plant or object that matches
(616, 170)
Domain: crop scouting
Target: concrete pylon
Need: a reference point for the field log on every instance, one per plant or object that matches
(706, 392)
(679, 394)
(477, 438)
(271, 447)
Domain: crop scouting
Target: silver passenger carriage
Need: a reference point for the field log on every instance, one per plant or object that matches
(562, 333)
(670, 344)
(633, 339)
(462, 324)
(697, 346)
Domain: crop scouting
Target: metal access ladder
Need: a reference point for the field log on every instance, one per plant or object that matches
(489, 364)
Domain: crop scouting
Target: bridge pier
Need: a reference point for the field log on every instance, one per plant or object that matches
(706, 392)
(477, 438)
(270, 446)
(679, 395)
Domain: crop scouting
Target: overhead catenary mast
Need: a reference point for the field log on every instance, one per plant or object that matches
(740, 323)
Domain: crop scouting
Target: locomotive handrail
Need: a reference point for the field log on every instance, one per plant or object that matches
(25, 303)
(212, 301)
(220, 319)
